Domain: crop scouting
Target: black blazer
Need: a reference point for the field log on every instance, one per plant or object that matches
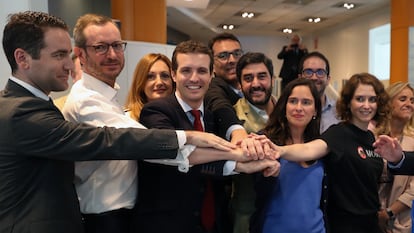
(169, 200)
(407, 168)
(220, 99)
(37, 150)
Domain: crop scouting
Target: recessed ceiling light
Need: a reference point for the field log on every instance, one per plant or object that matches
(228, 26)
(247, 14)
(314, 19)
(349, 6)
(287, 30)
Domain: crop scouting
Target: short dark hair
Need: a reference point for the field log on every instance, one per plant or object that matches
(26, 30)
(191, 46)
(253, 58)
(220, 37)
(314, 54)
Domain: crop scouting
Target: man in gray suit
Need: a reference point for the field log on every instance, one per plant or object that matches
(38, 147)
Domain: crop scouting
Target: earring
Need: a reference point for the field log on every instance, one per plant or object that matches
(314, 117)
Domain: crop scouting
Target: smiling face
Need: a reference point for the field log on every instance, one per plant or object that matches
(315, 63)
(192, 77)
(105, 67)
(51, 71)
(159, 81)
(403, 105)
(363, 106)
(300, 107)
(226, 69)
(256, 84)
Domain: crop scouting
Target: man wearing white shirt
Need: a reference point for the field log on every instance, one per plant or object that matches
(106, 189)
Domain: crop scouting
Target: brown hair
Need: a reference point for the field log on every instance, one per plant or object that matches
(347, 93)
(136, 95)
(191, 46)
(83, 22)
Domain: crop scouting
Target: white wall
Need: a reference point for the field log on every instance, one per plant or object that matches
(345, 45)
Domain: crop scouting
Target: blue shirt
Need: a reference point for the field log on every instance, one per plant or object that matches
(295, 201)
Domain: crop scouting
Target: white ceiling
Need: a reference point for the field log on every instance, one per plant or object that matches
(202, 21)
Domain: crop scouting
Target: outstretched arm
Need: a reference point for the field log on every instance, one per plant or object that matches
(206, 155)
(267, 166)
(202, 139)
(312, 150)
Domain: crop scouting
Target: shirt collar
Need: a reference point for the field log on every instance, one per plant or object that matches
(36, 92)
(328, 103)
(237, 91)
(187, 107)
(99, 86)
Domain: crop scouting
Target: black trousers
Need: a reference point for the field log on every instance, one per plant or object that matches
(115, 221)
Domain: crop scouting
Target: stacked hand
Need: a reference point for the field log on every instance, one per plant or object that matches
(262, 156)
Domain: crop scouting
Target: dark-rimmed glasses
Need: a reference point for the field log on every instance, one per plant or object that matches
(102, 48)
(320, 73)
(224, 56)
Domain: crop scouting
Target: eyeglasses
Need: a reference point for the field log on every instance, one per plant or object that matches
(320, 73)
(224, 56)
(104, 47)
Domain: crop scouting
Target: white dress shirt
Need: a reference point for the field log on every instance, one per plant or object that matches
(111, 184)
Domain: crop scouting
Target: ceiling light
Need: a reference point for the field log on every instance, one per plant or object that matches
(227, 26)
(348, 6)
(247, 14)
(287, 30)
(314, 19)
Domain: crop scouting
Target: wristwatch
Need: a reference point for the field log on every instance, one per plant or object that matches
(389, 213)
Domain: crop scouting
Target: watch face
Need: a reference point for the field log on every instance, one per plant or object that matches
(390, 213)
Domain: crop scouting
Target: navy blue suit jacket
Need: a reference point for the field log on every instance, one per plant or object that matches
(169, 200)
(407, 168)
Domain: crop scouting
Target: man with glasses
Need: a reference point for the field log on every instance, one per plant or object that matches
(224, 89)
(315, 66)
(106, 189)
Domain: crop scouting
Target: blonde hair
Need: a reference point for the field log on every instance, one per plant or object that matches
(393, 91)
(136, 95)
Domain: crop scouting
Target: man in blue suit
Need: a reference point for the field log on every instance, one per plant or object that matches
(182, 210)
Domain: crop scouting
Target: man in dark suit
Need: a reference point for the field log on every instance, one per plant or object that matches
(400, 163)
(38, 147)
(182, 211)
(224, 90)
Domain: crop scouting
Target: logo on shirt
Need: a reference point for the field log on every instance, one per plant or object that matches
(367, 153)
(361, 153)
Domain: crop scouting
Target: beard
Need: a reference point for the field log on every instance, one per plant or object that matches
(264, 101)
